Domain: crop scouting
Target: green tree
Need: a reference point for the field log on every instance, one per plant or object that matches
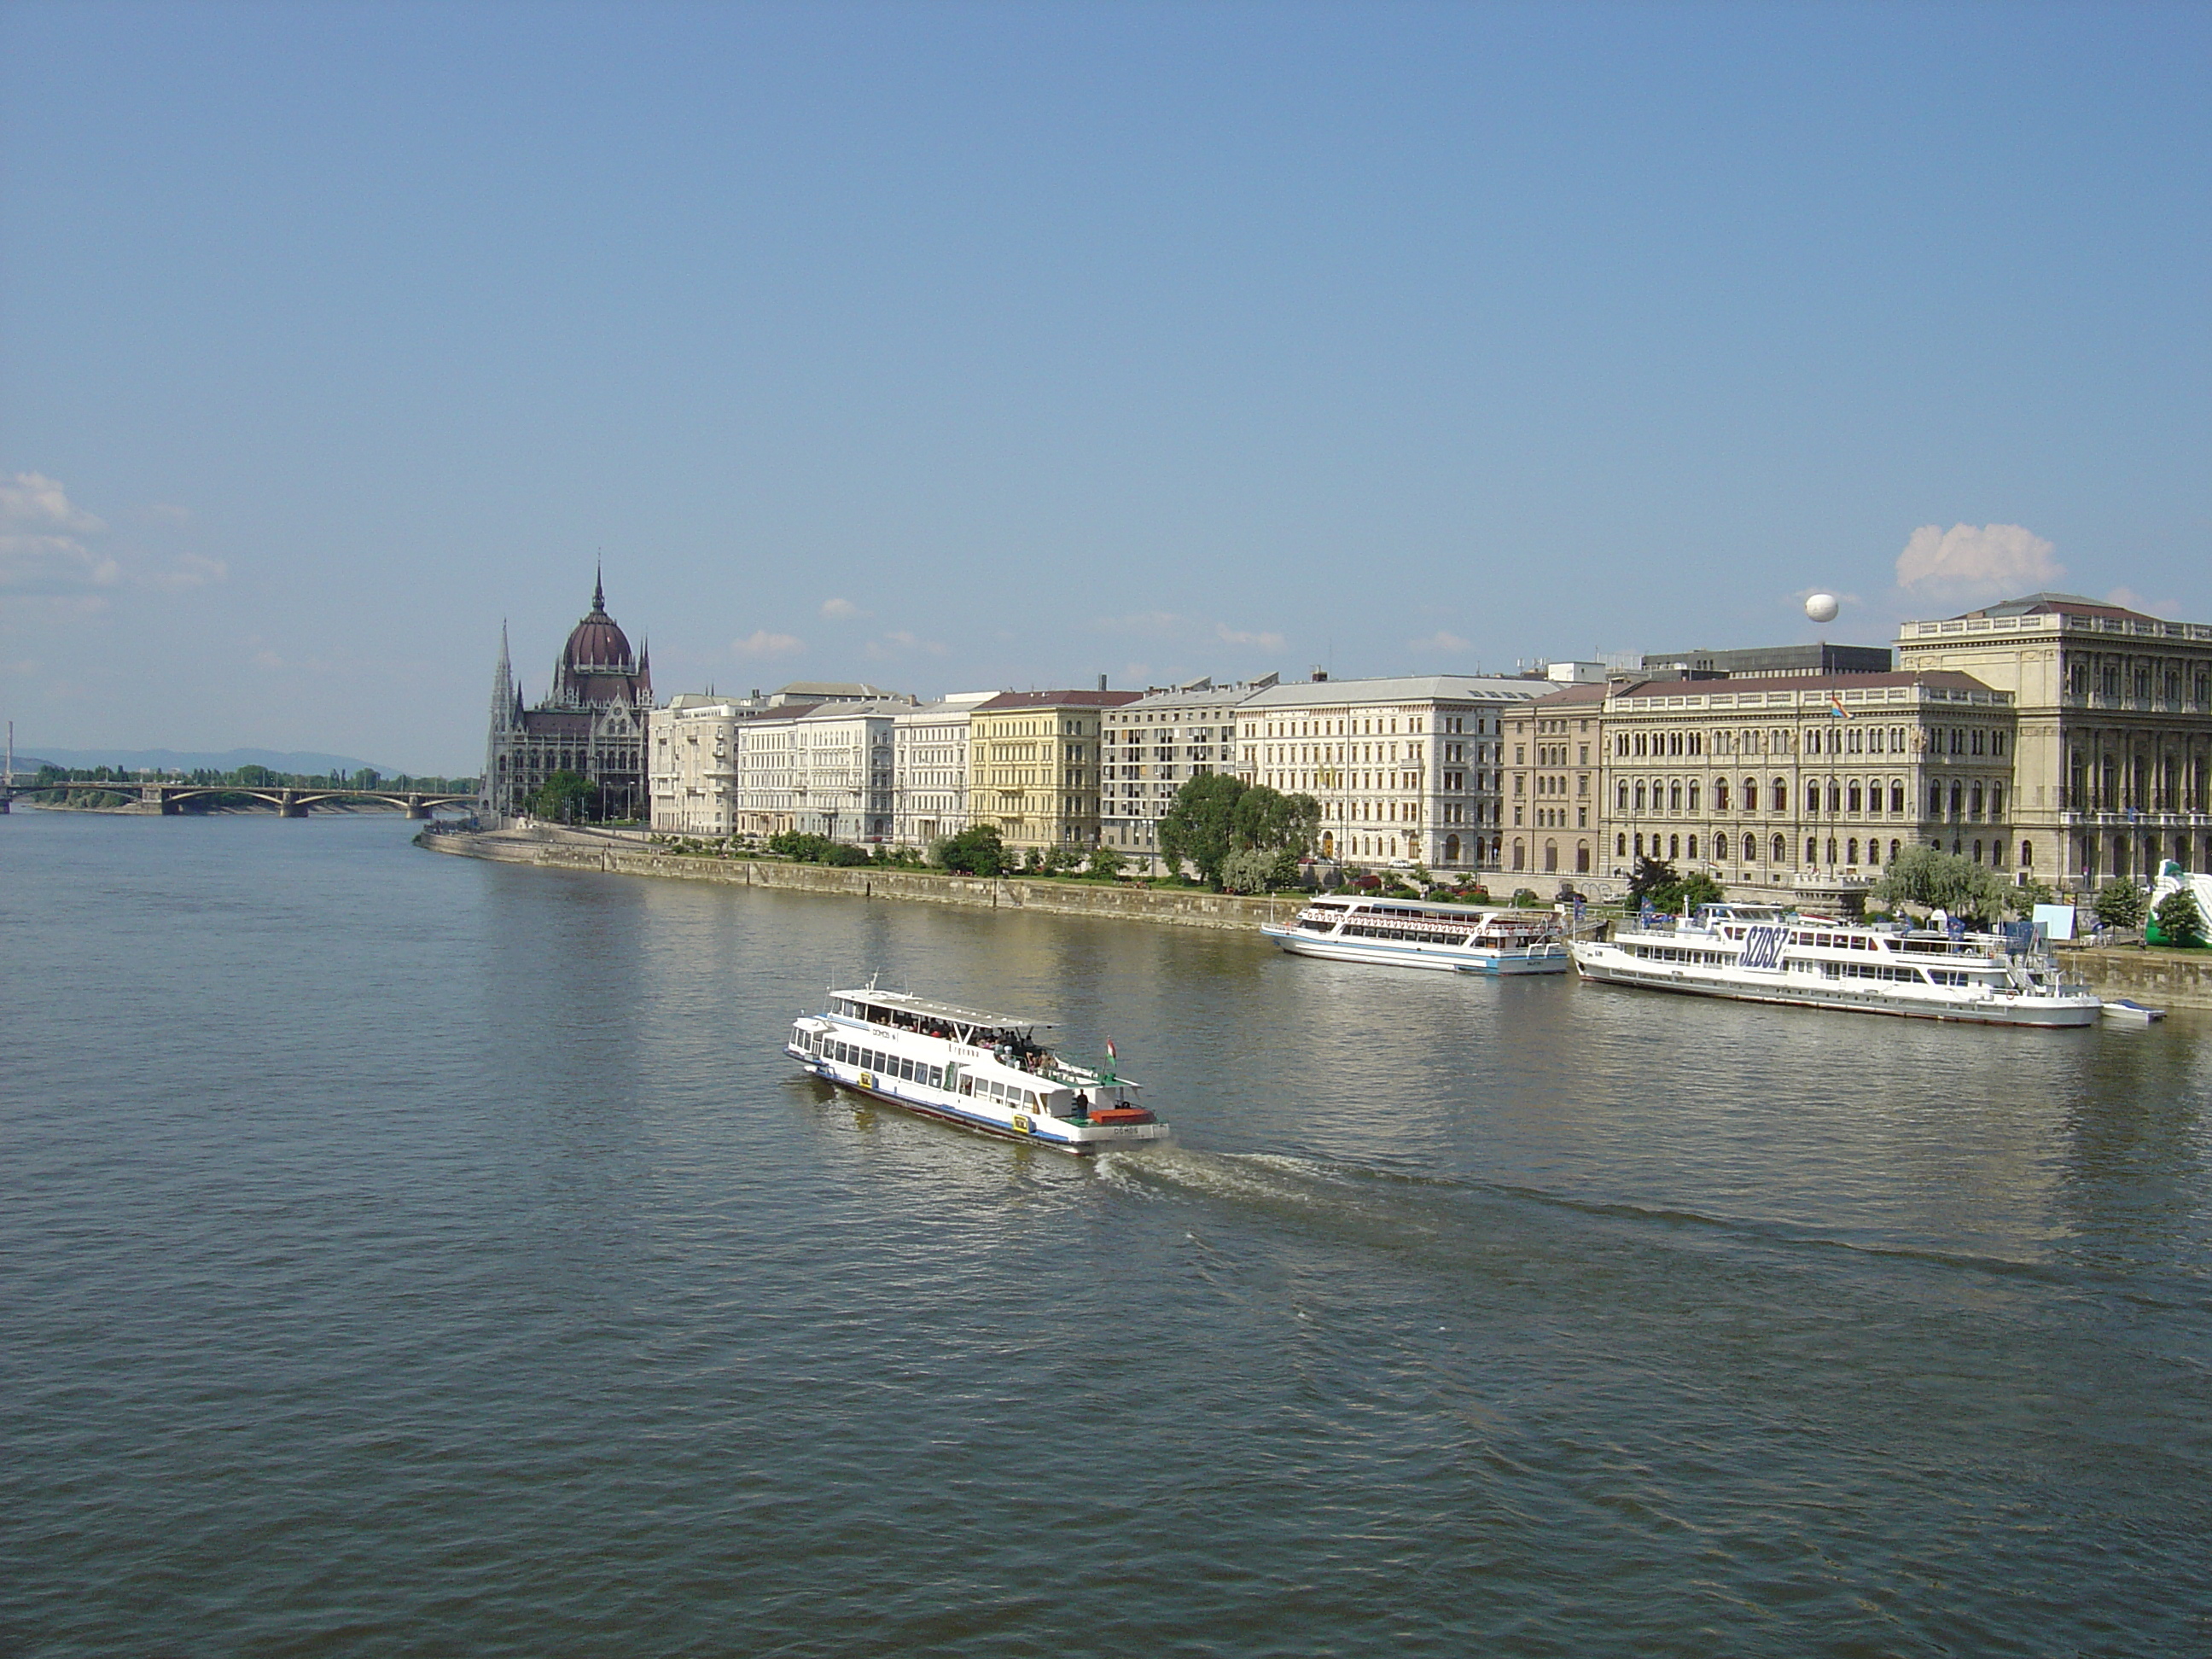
(1215, 815)
(1938, 881)
(2180, 919)
(565, 798)
(2122, 904)
(1256, 870)
(1200, 826)
(975, 851)
(1684, 894)
(1648, 878)
(1274, 823)
(1106, 863)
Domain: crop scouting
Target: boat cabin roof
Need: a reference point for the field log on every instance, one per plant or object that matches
(1425, 907)
(906, 1002)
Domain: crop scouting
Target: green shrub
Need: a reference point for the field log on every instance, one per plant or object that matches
(2180, 919)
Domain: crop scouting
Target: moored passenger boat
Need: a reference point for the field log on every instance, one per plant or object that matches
(1464, 938)
(985, 1072)
(1755, 953)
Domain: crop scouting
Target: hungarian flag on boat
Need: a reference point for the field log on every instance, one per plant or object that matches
(1111, 1052)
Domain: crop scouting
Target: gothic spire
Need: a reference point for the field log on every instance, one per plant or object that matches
(599, 585)
(502, 681)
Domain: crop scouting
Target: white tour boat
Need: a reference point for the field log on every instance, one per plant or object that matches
(980, 1071)
(1759, 954)
(1411, 933)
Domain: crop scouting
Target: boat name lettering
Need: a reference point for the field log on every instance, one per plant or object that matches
(1762, 948)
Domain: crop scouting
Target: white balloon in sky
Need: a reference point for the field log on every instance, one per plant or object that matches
(1822, 607)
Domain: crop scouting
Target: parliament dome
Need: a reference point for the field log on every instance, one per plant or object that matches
(596, 644)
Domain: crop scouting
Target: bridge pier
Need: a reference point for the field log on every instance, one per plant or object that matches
(414, 807)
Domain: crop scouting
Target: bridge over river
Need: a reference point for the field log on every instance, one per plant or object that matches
(167, 799)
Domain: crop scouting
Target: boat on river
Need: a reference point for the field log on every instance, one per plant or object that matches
(982, 1070)
(1464, 938)
(1757, 953)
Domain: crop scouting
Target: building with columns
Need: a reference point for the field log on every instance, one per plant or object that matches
(1806, 783)
(2114, 772)
(1555, 782)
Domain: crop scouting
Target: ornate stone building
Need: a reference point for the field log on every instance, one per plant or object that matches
(593, 721)
(2114, 769)
(1807, 783)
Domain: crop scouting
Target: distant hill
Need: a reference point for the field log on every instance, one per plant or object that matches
(305, 763)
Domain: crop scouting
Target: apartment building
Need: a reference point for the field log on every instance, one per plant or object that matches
(929, 768)
(1407, 768)
(1035, 766)
(1152, 747)
(724, 766)
(689, 775)
(2114, 769)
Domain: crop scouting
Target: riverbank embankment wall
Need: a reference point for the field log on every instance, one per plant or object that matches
(2163, 978)
(1178, 907)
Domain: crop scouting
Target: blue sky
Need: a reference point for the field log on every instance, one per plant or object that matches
(959, 346)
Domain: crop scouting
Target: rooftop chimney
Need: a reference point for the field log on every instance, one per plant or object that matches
(1102, 682)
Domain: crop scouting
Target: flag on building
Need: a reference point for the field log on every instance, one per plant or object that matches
(1836, 706)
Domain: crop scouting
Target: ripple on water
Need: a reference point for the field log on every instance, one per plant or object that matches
(416, 1255)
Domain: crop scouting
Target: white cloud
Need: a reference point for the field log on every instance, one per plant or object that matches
(1238, 636)
(762, 643)
(53, 559)
(32, 501)
(2128, 600)
(190, 570)
(43, 558)
(1963, 562)
(840, 610)
(1439, 640)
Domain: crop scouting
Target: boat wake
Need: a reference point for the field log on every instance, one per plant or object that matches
(1412, 1209)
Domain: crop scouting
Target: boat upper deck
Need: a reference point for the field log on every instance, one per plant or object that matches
(928, 1015)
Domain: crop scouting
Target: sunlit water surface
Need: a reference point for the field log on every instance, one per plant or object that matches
(408, 1254)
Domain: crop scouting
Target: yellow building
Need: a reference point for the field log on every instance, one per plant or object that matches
(1033, 766)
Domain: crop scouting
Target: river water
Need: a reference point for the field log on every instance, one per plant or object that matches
(409, 1255)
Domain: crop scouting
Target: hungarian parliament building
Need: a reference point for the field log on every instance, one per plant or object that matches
(592, 722)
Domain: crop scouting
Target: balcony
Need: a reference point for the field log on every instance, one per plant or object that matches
(2141, 819)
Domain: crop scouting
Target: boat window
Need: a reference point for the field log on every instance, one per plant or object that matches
(967, 1085)
(937, 1076)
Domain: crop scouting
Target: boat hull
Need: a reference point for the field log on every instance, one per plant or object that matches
(1455, 959)
(1600, 963)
